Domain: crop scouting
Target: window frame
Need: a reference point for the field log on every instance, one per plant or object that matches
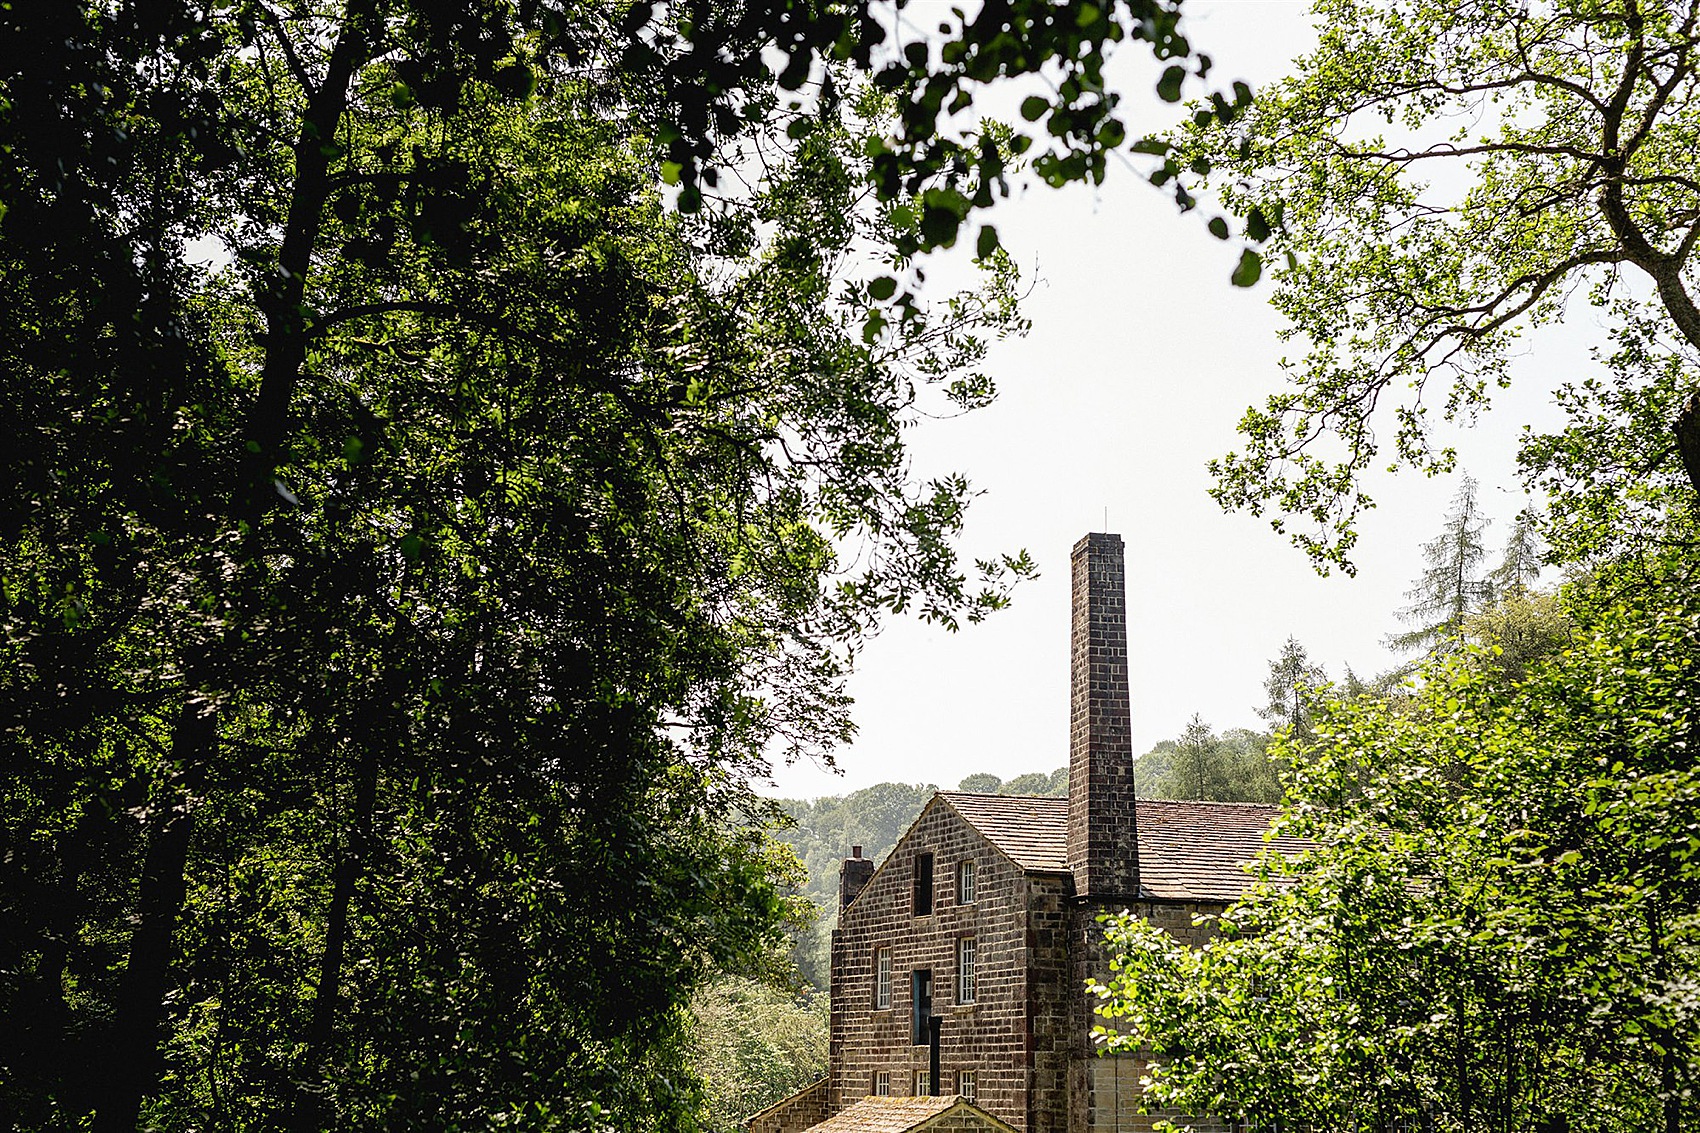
(967, 882)
(882, 1084)
(922, 1085)
(882, 977)
(967, 973)
(972, 1079)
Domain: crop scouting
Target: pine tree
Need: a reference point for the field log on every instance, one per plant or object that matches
(1520, 564)
(1195, 771)
(1451, 587)
(1292, 677)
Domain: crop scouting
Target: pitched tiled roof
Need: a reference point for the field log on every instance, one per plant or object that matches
(812, 1094)
(1188, 850)
(1032, 832)
(1197, 850)
(901, 1115)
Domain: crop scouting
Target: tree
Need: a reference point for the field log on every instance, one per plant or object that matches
(1491, 928)
(1151, 770)
(1233, 767)
(1417, 249)
(1195, 772)
(1520, 564)
(394, 613)
(1451, 585)
(1291, 681)
(1038, 783)
(981, 782)
(1515, 630)
(755, 1044)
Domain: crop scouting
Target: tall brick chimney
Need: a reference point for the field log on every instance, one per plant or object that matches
(1102, 849)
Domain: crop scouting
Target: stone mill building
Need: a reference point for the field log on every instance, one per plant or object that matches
(959, 963)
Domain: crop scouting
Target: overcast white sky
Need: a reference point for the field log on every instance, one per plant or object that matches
(1140, 361)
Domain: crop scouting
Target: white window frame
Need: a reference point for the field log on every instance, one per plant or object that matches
(967, 954)
(923, 1083)
(965, 882)
(882, 978)
(882, 1083)
(967, 1085)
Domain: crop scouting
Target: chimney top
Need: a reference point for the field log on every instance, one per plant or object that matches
(853, 874)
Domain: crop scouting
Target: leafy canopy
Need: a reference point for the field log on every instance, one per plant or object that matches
(1438, 178)
(1495, 925)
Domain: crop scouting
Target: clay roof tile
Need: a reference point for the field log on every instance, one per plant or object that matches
(903, 1114)
(1188, 850)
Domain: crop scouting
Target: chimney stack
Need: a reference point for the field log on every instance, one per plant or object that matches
(1103, 851)
(852, 875)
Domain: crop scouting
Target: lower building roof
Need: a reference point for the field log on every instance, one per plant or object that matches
(908, 1114)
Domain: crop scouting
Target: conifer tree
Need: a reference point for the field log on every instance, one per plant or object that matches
(1291, 678)
(1451, 586)
(1520, 565)
(1194, 772)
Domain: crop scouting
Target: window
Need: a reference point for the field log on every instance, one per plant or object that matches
(882, 1083)
(967, 1084)
(923, 1083)
(923, 884)
(965, 882)
(882, 979)
(965, 954)
(920, 1005)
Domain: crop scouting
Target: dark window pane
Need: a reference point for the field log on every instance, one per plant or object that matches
(920, 1003)
(923, 884)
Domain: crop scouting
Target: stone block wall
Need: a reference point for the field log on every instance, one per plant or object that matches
(1051, 997)
(990, 1036)
(1113, 1101)
(1104, 1089)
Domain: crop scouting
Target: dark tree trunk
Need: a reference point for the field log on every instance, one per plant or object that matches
(283, 301)
(133, 1069)
(1688, 439)
(309, 1104)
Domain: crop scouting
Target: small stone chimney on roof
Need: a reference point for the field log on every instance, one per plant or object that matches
(1103, 850)
(852, 875)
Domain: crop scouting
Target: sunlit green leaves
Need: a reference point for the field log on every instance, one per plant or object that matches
(1499, 895)
(1431, 175)
(1249, 270)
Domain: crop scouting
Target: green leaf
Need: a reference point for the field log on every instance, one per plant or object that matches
(882, 287)
(1033, 107)
(1219, 228)
(1169, 86)
(1250, 269)
(1256, 227)
(987, 243)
